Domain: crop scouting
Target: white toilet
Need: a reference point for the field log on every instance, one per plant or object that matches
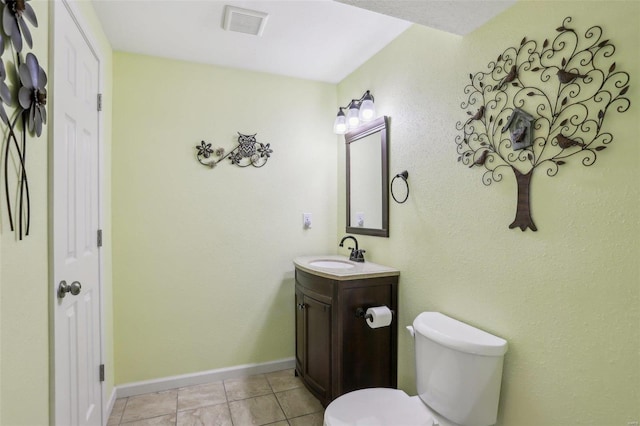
(458, 376)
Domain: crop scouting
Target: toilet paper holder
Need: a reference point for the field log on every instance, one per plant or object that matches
(362, 313)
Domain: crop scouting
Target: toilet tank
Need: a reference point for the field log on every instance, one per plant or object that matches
(458, 369)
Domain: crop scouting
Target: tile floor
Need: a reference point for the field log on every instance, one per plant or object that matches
(278, 399)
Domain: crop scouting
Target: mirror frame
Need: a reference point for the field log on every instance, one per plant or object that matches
(379, 125)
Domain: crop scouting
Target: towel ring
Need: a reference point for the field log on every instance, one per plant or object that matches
(404, 176)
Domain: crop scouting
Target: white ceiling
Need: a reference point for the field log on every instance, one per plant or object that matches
(454, 16)
(320, 40)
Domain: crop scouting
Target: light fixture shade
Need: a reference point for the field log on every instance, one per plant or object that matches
(358, 111)
(353, 115)
(367, 109)
(340, 125)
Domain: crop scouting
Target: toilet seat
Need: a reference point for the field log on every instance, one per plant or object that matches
(377, 407)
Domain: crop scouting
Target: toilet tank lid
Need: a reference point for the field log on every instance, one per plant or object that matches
(457, 335)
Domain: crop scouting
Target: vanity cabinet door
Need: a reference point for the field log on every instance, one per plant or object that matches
(317, 342)
(300, 334)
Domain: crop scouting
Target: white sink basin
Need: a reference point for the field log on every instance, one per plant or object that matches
(331, 264)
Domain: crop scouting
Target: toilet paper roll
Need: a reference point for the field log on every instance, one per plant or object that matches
(377, 317)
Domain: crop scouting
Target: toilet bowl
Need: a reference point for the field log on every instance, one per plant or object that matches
(458, 376)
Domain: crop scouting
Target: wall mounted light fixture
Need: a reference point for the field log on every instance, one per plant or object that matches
(358, 111)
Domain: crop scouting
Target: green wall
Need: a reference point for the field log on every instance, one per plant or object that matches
(566, 297)
(203, 272)
(24, 332)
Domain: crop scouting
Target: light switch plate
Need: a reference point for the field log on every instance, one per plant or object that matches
(307, 219)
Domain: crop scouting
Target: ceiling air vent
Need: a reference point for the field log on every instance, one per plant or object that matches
(244, 20)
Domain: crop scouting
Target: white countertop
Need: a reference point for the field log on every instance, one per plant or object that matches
(359, 270)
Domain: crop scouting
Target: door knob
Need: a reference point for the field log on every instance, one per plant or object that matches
(73, 288)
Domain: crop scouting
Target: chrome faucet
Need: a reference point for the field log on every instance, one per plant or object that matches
(357, 255)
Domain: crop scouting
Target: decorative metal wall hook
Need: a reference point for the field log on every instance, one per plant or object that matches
(538, 105)
(249, 152)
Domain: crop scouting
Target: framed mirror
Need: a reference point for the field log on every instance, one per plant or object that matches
(368, 178)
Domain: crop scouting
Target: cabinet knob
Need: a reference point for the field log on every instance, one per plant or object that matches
(300, 306)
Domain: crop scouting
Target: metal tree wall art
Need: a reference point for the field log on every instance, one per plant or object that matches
(28, 97)
(249, 152)
(538, 105)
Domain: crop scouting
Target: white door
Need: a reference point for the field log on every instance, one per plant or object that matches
(76, 258)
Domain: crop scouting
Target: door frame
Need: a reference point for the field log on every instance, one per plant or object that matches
(85, 29)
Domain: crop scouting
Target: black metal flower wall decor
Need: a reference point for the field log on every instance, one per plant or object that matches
(538, 105)
(249, 152)
(22, 107)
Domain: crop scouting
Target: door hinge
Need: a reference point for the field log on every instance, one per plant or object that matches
(99, 237)
(102, 372)
(99, 101)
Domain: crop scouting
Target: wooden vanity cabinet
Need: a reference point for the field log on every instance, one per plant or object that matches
(336, 351)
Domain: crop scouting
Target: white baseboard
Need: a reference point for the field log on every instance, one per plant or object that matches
(109, 407)
(166, 383)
